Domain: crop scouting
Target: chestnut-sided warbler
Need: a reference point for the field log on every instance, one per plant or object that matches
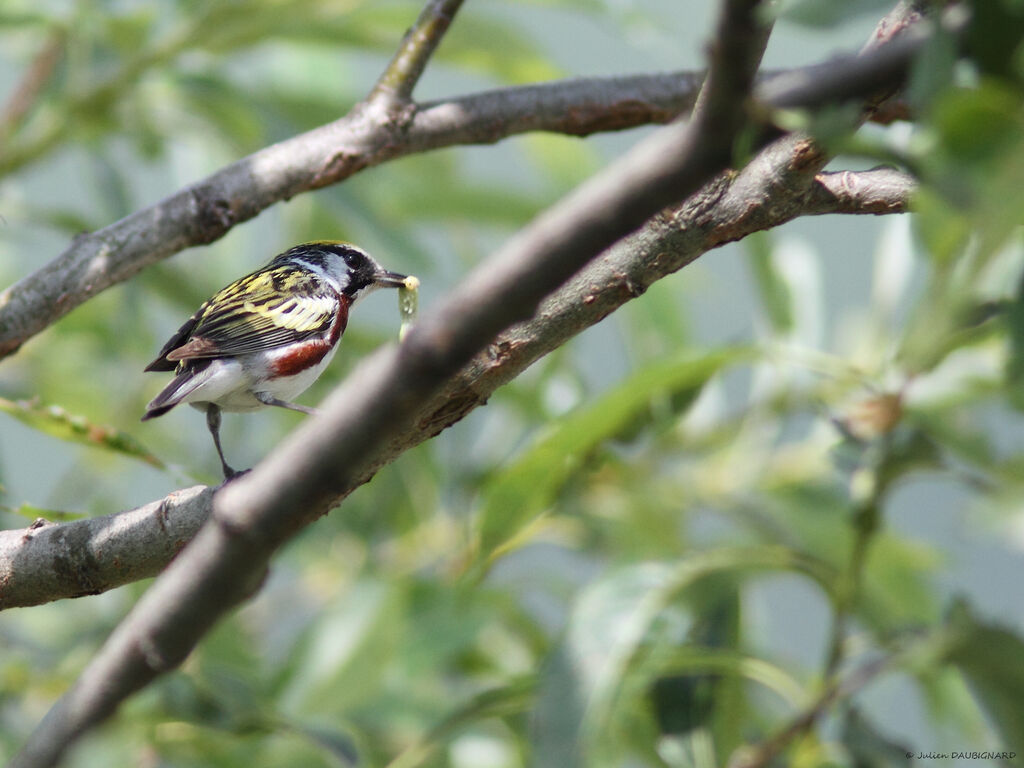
(266, 337)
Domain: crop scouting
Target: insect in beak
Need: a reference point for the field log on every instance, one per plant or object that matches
(389, 279)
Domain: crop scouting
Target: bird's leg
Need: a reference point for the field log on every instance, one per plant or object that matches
(267, 399)
(213, 422)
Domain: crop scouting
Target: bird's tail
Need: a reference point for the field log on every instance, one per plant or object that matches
(180, 387)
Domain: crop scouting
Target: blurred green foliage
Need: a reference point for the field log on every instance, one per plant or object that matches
(603, 566)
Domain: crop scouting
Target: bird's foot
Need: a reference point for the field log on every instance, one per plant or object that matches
(231, 474)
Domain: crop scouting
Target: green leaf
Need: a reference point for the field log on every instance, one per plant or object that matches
(690, 701)
(867, 747)
(347, 652)
(56, 422)
(613, 619)
(688, 662)
(333, 741)
(978, 124)
(776, 297)
(994, 35)
(898, 589)
(523, 490)
(992, 660)
(718, 661)
(1014, 319)
(503, 701)
(227, 109)
(942, 226)
(933, 69)
(127, 33)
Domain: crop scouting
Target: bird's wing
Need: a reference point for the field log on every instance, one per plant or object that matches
(269, 308)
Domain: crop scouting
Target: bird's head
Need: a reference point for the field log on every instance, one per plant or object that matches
(352, 271)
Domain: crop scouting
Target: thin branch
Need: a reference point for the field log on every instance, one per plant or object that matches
(396, 84)
(763, 754)
(877, 72)
(257, 513)
(576, 107)
(100, 95)
(735, 57)
(34, 81)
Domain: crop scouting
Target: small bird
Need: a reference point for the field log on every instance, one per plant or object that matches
(264, 339)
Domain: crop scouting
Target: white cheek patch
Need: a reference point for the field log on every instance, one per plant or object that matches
(365, 291)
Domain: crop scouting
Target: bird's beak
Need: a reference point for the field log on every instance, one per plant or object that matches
(389, 279)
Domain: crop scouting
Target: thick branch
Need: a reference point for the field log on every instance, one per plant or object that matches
(255, 514)
(86, 557)
(576, 107)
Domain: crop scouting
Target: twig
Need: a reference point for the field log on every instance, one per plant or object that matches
(762, 754)
(396, 84)
(27, 92)
(878, 191)
(877, 72)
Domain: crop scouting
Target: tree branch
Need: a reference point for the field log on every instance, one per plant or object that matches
(878, 191)
(86, 557)
(25, 95)
(257, 513)
(576, 107)
(876, 73)
(396, 84)
(761, 755)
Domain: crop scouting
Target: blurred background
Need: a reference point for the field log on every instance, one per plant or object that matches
(800, 453)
